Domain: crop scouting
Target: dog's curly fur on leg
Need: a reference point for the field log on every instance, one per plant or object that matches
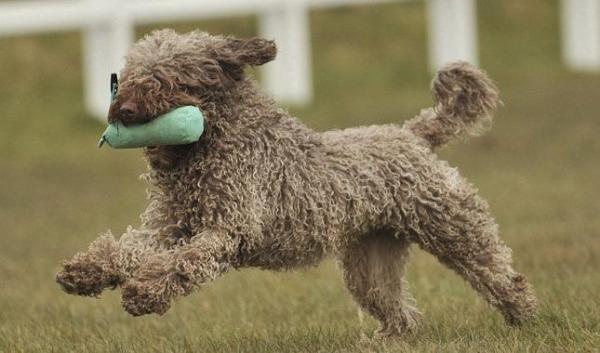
(260, 189)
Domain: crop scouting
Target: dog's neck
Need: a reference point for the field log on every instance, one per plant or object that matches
(165, 157)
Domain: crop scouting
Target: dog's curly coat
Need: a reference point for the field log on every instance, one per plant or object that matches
(262, 190)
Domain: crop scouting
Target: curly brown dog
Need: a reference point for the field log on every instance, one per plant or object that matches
(260, 189)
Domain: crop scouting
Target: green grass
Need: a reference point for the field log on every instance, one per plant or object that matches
(538, 168)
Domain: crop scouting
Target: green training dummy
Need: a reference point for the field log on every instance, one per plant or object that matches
(178, 127)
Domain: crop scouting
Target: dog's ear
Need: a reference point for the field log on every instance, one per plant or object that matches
(242, 52)
(235, 54)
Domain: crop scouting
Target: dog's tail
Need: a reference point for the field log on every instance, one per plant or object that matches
(465, 99)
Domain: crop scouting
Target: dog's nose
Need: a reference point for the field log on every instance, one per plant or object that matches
(128, 109)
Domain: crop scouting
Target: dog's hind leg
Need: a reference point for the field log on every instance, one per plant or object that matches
(462, 234)
(373, 268)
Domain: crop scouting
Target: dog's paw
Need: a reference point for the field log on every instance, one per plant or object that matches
(519, 304)
(141, 298)
(86, 278)
(518, 313)
(88, 273)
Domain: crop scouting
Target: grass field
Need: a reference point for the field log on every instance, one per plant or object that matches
(539, 168)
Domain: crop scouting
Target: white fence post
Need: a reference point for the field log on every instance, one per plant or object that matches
(581, 34)
(288, 78)
(452, 31)
(104, 48)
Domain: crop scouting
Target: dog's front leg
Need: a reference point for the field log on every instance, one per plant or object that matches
(89, 273)
(108, 262)
(177, 271)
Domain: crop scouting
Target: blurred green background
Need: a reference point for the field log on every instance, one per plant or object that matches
(539, 168)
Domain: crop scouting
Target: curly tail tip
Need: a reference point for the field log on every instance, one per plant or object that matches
(465, 100)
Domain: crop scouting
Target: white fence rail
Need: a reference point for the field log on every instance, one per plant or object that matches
(108, 31)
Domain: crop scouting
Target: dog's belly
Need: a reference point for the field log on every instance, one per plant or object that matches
(283, 253)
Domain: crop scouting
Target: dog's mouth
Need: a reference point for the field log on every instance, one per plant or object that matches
(180, 126)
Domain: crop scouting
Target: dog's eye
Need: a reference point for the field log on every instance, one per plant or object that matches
(114, 86)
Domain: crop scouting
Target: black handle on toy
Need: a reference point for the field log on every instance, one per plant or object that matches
(114, 85)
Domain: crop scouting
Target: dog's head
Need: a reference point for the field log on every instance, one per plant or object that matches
(166, 70)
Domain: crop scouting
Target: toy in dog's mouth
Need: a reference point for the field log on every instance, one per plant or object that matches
(180, 126)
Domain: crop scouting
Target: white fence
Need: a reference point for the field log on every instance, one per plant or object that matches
(581, 33)
(108, 30)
